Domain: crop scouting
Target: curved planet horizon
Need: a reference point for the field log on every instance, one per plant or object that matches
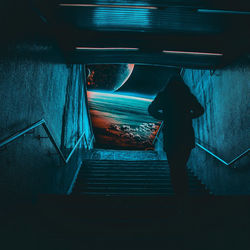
(121, 121)
(130, 70)
(110, 77)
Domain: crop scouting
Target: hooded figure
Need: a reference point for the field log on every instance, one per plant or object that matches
(177, 106)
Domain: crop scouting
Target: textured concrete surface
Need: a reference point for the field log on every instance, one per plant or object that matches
(159, 147)
(121, 155)
(30, 90)
(224, 128)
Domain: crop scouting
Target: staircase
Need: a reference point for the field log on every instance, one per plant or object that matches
(130, 178)
(127, 205)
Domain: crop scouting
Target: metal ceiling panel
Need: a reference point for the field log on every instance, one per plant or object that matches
(241, 5)
(128, 19)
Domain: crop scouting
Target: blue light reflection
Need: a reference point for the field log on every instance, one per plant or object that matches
(105, 17)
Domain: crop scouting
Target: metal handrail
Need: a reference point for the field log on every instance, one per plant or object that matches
(50, 136)
(208, 151)
(221, 160)
(92, 139)
(158, 132)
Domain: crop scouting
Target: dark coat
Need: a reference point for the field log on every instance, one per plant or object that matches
(176, 109)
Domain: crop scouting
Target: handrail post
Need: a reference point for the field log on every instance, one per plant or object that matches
(53, 142)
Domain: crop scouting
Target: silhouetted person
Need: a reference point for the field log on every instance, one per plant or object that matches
(177, 106)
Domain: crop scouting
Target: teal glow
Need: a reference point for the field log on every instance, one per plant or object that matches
(125, 95)
(105, 17)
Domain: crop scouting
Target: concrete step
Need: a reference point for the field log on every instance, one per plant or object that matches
(126, 178)
(131, 185)
(134, 183)
(121, 155)
(131, 165)
(131, 188)
(133, 179)
(166, 183)
(139, 167)
(124, 184)
(127, 175)
(127, 190)
(126, 171)
(127, 162)
(124, 168)
(128, 194)
(136, 192)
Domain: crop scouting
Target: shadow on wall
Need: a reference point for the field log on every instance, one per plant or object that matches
(224, 127)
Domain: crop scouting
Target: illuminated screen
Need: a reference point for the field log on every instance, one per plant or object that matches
(121, 121)
(119, 96)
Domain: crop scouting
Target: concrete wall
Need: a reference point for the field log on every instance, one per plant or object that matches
(224, 128)
(30, 90)
(159, 147)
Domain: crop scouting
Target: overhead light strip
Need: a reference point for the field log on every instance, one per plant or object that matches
(107, 49)
(192, 53)
(236, 12)
(108, 6)
(136, 49)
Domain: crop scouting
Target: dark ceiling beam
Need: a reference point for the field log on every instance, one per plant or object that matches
(151, 42)
(170, 60)
(241, 5)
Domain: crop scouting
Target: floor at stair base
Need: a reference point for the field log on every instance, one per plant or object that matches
(121, 155)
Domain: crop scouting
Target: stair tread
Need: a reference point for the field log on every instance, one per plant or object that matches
(137, 194)
(131, 185)
(129, 188)
(139, 166)
(137, 189)
(126, 164)
(130, 178)
(127, 194)
(136, 170)
(126, 171)
(124, 189)
(112, 161)
(121, 174)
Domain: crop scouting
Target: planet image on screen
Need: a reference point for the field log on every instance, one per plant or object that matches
(108, 76)
(121, 121)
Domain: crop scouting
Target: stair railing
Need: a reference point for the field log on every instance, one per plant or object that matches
(158, 133)
(228, 164)
(43, 123)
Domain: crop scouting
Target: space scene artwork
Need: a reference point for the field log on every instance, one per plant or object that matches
(118, 97)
